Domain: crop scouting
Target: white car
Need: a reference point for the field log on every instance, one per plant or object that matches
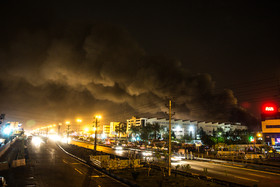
(117, 147)
(176, 158)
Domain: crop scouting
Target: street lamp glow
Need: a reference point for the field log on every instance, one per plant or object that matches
(191, 128)
(7, 130)
(259, 135)
(67, 122)
(79, 120)
(98, 116)
(86, 129)
(94, 128)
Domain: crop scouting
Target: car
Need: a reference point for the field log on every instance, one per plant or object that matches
(117, 147)
(176, 158)
(147, 153)
(2, 181)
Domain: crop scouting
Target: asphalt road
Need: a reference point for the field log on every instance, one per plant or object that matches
(233, 173)
(48, 165)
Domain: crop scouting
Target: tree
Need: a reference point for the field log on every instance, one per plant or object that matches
(134, 130)
(206, 139)
(121, 128)
(173, 136)
(186, 137)
(145, 131)
(156, 129)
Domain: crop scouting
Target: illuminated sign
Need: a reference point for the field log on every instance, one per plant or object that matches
(269, 108)
(271, 126)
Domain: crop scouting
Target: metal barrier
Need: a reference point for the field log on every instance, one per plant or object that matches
(6, 147)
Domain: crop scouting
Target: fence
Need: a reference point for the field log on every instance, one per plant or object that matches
(6, 147)
(104, 161)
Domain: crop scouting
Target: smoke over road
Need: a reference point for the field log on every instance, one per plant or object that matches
(51, 72)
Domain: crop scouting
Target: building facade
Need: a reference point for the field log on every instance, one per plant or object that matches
(185, 127)
(111, 132)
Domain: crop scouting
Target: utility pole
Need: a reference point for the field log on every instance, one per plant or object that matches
(95, 135)
(169, 142)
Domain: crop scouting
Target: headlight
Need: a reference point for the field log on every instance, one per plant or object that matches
(119, 148)
(176, 158)
(147, 153)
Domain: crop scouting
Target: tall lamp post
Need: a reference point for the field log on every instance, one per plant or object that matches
(58, 128)
(68, 128)
(79, 121)
(95, 132)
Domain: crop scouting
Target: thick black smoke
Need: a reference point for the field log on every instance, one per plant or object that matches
(50, 72)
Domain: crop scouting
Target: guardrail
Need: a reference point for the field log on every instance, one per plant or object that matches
(6, 146)
(110, 175)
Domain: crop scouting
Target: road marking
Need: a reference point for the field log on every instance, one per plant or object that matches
(65, 161)
(79, 171)
(258, 175)
(247, 179)
(254, 170)
(97, 176)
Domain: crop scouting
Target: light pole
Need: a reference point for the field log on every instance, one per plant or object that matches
(58, 129)
(79, 121)
(68, 127)
(95, 132)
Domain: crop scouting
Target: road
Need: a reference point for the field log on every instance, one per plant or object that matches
(233, 173)
(48, 165)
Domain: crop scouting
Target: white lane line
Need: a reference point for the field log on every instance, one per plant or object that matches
(258, 175)
(244, 178)
(254, 170)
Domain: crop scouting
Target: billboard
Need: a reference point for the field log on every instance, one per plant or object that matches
(271, 126)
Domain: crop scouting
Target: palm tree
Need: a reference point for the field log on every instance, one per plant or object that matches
(156, 129)
(146, 131)
(134, 130)
(121, 128)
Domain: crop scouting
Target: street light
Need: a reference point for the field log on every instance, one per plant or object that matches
(86, 130)
(68, 126)
(95, 133)
(79, 121)
(58, 128)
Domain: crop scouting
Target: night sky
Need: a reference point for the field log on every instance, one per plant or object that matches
(68, 59)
